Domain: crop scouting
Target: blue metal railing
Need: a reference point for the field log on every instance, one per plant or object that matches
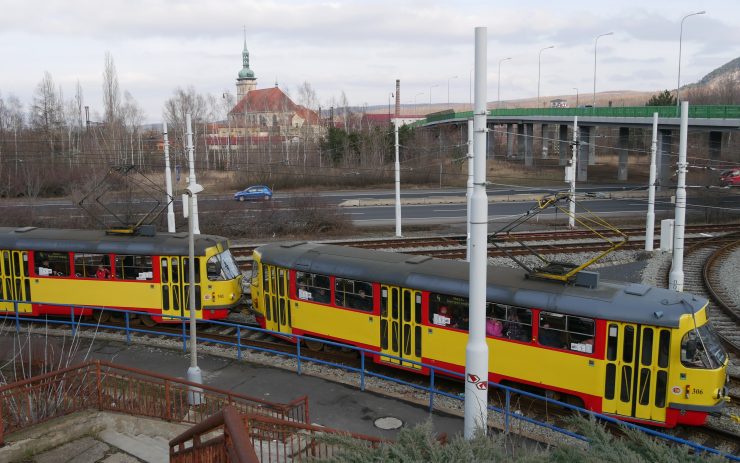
(508, 414)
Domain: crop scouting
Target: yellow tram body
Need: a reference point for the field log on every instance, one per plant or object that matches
(51, 271)
(635, 352)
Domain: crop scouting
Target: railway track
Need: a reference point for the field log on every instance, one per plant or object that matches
(453, 246)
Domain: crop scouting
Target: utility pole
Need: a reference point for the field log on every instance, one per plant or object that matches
(469, 189)
(168, 182)
(191, 176)
(572, 168)
(397, 167)
(676, 276)
(476, 351)
(650, 221)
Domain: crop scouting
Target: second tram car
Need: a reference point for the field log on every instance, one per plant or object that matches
(635, 352)
(47, 270)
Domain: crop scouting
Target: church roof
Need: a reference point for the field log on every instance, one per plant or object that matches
(272, 100)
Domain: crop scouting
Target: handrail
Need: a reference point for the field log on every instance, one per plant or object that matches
(238, 447)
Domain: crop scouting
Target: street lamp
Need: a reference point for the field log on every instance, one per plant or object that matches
(498, 93)
(539, 67)
(680, 38)
(596, 43)
(390, 95)
(448, 89)
(430, 95)
(416, 108)
(194, 374)
(576, 89)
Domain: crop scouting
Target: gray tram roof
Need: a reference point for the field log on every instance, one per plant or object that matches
(626, 302)
(99, 242)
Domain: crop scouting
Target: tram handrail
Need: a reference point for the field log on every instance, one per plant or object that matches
(508, 414)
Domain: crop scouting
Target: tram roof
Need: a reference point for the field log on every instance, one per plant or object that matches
(609, 300)
(100, 242)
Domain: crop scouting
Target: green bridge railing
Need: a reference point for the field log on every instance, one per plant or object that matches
(699, 112)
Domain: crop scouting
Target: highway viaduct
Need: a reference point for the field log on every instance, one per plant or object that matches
(721, 123)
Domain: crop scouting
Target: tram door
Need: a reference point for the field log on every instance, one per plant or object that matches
(400, 325)
(636, 371)
(277, 304)
(175, 275)
(14, 282)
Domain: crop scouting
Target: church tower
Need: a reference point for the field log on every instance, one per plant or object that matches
(246, 81)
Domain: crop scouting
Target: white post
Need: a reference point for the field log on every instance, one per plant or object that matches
(191, 177)
(650, 221)
(469, 189)
(476, 351)
(194, 375)
(573, 173)
(676, 275)
(168, 182)
(397, 167)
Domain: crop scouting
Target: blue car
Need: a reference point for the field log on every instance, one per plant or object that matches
(253, 193)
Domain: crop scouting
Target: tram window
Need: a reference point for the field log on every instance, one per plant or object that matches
(647, 347)
(6, 261)
(516, 323)
(661, 381)
(384, 334)
(417, 341)
(644, 386)
(384, 302)
(49, 264)
(394, 304)
(164, 274)
(222, 266)
(611, 343)
(16, 266)
(700, 348)
(446, 310)
(281, 282)
(140, 268)
(353, 294)
(628, 349)
(406, 307)
(394, 336)
(611, 371)
(186, 270)
(566, 332)
(624, 393)
(313, 287)
(417, 308)
(92, 266)
(406, 339)
(175, 270)
(664, 346)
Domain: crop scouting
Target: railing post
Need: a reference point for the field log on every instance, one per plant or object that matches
(184, 339)
(98, 384)
(72, 318)
(17, 321)
(168, 408)
(238, 342)
(506, 411)
(298, 355)
(362, 370)
(431, 389)
(128, 331)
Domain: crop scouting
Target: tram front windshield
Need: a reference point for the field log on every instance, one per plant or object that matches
(701, 348)
(222, 266)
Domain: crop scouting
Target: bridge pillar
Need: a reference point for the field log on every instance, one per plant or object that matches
(520, 141)
(664, 163)
(591, 140)
(563, 151)
(545, 136)
(584, 136)
(624, 136)
(528, 139)
(715, 147)
(509, 141)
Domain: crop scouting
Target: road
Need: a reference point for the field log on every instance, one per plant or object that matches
(499, 210)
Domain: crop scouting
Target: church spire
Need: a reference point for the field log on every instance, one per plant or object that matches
(246, 80)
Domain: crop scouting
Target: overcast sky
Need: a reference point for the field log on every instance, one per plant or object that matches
(359, 47)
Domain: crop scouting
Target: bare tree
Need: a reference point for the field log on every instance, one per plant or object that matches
(184, 102)
(131, 117)
(111, 92)
(46, 112)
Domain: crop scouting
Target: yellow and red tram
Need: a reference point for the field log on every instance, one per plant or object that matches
(47, 271)
(635, 352)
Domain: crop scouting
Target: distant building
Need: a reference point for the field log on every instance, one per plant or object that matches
(263, 116)
(558, 103)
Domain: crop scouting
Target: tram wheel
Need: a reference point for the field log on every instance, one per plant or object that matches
(147, 321)
(314, 346)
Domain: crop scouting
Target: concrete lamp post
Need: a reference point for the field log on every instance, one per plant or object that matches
(498, 90)
(194, 375)
(596, 42)
(680, 39)
(539, 68)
